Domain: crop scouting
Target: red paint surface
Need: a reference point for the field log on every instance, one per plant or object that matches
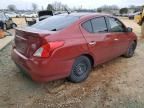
(76, 41)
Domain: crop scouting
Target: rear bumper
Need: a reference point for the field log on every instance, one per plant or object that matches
(40, 69)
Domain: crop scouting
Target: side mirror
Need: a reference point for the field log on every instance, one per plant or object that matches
(129, 29)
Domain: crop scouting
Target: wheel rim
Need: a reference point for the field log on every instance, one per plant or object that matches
(81, 69)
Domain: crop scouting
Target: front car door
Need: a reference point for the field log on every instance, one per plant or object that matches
(121, 40)
(100, 42)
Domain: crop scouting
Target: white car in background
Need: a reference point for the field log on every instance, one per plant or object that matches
(8, 22)
(132, 15)
(29, 14)
(11, 14)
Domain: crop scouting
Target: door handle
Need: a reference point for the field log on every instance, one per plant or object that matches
(92, 43)
(116, 39)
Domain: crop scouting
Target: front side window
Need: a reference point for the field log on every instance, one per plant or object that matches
(115, 25)
(99, 25)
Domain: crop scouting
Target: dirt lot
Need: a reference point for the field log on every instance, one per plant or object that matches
(116, 84)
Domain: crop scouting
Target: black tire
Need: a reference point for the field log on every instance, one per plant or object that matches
(80, 70)
(130, 50)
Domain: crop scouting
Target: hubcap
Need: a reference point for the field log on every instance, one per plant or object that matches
(80, 69)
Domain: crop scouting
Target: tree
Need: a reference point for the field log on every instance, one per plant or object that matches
(50, 7)
(34, 6)
(11, 7)
(123, 11)
(108, 9)
(58, 6)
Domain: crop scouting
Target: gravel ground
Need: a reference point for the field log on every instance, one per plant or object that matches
(115, 84)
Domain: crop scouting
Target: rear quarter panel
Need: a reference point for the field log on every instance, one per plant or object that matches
(74, 43)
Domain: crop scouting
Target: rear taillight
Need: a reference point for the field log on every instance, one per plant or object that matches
(47, 49)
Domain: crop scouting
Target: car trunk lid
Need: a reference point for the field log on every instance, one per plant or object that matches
(28, 40)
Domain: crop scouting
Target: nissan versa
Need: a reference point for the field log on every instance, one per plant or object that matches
(69, 45)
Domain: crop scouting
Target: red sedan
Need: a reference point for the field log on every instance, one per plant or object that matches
(69, 45)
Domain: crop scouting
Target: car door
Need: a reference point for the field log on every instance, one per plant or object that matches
(99, 40)
(121, 40)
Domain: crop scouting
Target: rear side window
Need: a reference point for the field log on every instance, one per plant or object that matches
(99, 25)
(87, 26)
(55, 23)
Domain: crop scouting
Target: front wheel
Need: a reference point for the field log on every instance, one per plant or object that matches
(80, 70)
(130, 50)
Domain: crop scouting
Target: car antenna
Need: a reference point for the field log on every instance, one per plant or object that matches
(67, 10)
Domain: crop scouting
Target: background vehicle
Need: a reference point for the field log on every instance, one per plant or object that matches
(30, 14)
(124, 15)
(12, 14)
(41, 16)
(8, 23)
(69, 45)
(44, 14)
(140, 20)
(132, 15)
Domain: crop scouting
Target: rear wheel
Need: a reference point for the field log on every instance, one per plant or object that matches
(142, 29)
(80, 70)
(130, 50)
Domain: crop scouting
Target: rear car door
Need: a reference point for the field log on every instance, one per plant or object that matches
(99, 40)
(118, 30)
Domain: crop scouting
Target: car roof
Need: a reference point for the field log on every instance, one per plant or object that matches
(85, 14)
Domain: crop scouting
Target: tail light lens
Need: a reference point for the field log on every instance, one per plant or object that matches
(47, 49)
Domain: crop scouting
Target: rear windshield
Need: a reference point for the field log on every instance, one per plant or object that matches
(55, 23)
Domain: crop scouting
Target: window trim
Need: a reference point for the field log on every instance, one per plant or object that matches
(92, 26)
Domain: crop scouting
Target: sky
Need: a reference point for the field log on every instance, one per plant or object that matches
(88, 4)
